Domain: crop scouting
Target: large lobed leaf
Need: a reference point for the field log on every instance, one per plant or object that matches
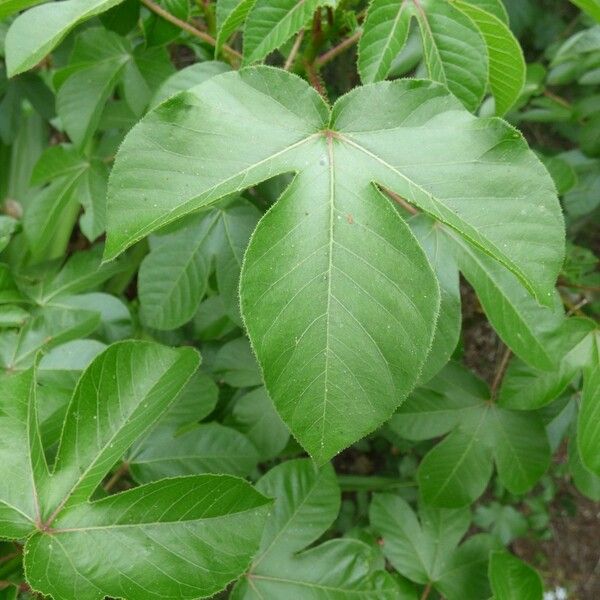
(152, 535)
(337, 295)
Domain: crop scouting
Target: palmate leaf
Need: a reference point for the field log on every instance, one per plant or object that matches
(338, 298)
(217, 520)
(307, 501)
(457, 470)
(427, 551)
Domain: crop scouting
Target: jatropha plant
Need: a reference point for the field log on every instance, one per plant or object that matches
(312, 196)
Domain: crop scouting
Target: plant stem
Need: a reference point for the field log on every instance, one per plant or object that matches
(586, 288)
(209, 39)
(314, 79)
(500, 372)
(122, 470)
(426, 592)
(336, 50)
(358, 483)
(294, 51)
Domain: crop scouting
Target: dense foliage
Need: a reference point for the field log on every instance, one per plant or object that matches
(239, 244)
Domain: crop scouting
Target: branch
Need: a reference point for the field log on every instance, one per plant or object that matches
(500, 373)
(120, 472)
(294, 51)
(426, 592)
(336, 50)
(209, 39)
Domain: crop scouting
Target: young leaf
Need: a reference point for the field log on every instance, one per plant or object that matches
(207, 448)
(307, 501)
(337, 157)
(457, 470)
(271, 23)
(506, 61)
(512, 579)
(255, 416)
(454, 49)
(97, 63)
(173, 277)
(384, 35)
(416, 549)
(231, 15)
(37, 31)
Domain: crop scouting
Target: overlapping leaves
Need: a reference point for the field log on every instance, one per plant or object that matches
(119, 396)
(467, 46)
(307, 500)
(357, 346)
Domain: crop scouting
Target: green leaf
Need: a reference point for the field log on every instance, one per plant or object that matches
(187, 78)
(588, 423)
(235, 364)
(465, 573)
(506, 62)
(21, 456)
(100, 57)
(255, 416)
(48, 327)
(216, 519)
(307, 501)
(512, 579)
(336, 570)
(36, 32)
(527, 388)
(585, 481)
(231, 15)
(521, 449)
(433, 240)
(352, 255)
(271, 23)
(519, 320)
(126, 389)
(454, 49)
(111, 547)
(49, 218)
(417, 550)
(458, 469)
(173, 277)
(494, 7)
(435, 408)
(592, 7)
(9, 7)
(384, 35)
(210, 448)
